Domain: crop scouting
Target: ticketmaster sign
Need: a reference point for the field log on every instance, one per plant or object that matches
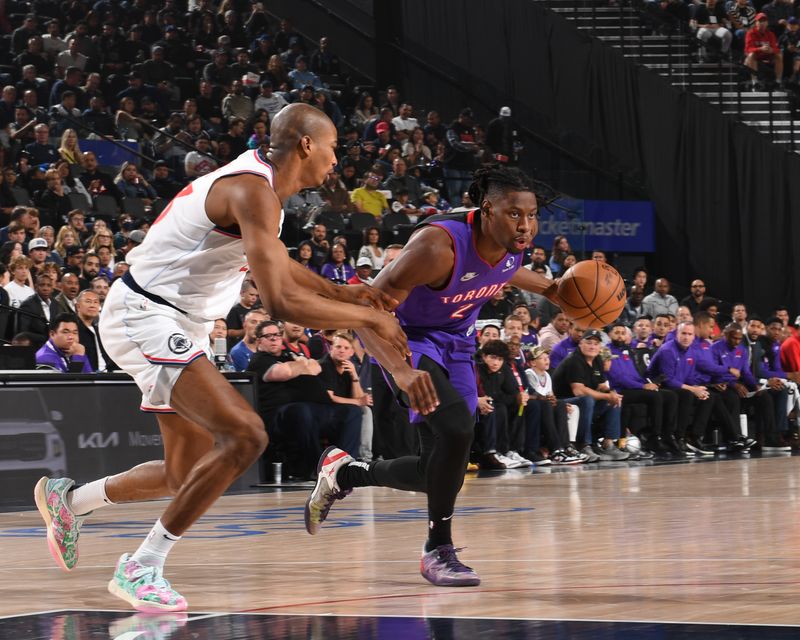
(611, 225)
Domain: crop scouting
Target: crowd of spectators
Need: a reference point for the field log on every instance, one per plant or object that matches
(762, 35)
(194, 86)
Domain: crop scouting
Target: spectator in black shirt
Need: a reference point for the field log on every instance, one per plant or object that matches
(96, 182)
(33, 55)
(248, 300)
(165, 187)
(98, 118)
(580, 380)
(323, 60)
(41, 151)
(295, 405)
(218, 72)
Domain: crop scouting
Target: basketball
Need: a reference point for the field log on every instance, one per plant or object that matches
(592, 294)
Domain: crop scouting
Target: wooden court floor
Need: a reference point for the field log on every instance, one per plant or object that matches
(696, 542)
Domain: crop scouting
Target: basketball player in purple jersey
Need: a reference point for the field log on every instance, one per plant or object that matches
(449, 268)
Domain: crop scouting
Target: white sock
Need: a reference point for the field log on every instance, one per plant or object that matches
(153, 551)
(89, 497)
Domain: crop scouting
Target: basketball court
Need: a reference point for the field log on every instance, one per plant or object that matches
(697, 549)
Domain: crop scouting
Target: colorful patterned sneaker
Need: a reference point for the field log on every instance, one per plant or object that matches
(63, 526)
(443, 568)
(144, 588)
(326, 491)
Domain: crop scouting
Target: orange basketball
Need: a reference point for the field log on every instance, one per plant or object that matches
(592, 293)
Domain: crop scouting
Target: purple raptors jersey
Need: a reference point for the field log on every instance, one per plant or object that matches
(455, 308)
(439, 322)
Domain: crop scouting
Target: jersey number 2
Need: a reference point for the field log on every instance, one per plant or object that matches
(459, 313)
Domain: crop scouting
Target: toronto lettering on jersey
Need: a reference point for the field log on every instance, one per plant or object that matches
(473, 294)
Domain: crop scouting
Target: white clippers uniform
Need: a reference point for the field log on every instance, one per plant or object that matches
(186, 273)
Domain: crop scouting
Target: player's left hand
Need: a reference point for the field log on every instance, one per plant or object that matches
(551, 293)
(367, 296)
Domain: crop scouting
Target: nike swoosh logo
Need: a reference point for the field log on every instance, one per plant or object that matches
(468, 276)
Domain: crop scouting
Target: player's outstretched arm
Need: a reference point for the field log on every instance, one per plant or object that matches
(537, 283)
(243, 200)
(352, 293)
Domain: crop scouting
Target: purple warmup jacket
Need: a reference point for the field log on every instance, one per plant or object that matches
(52, 356)
(623, 373)
(708, 370)
(673, 364)
(738, 358)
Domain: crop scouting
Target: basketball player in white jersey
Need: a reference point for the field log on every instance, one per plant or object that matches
(155, 325)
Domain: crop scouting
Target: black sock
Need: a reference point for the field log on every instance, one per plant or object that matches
(356, 474)
(439, 533)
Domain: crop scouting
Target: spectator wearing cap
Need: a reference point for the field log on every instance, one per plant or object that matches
(217, 72)
(502, 139)
(789, 43)
(368, 199)
(137, 89)
(176, 50)
(761, 48)
(300, 76)
(164, 186)
(157, 70)
(133, 50)
(262, 51)
(200, 161)
(363, 274)
(580, 380)
(38, 252)
(269, 100)
(290, 55)
(461, 151)
(236, 104)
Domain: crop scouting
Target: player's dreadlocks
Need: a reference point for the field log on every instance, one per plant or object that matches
(499, 177)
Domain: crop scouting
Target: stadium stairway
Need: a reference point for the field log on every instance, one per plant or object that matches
(676, 57)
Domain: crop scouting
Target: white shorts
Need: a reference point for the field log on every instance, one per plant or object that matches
(151, 342)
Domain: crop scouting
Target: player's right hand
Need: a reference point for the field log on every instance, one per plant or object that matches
(388, 328)
(419, 388)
